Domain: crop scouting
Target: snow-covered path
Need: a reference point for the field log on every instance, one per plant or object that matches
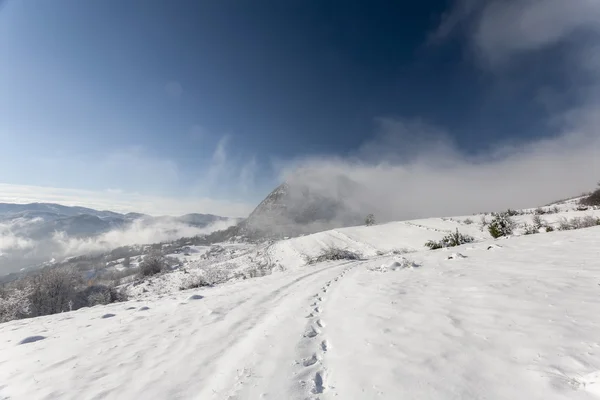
(514, 319)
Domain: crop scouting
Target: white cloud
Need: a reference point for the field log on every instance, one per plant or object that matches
(436, 179)
(121, 201)
(499, 29)
(413, 169)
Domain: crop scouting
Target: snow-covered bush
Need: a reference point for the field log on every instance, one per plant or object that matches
(451, 240)
(578, 223)
(53, 291)
(538, 222)
(483, 222)
(335, 253)
(564, 224)
(501, 225)
(192, 281)
(215, 275)
(530, 229)
(468, 221)
(152, 264)
(97, 295)
(14, 304)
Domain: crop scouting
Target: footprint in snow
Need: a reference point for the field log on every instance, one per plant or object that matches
(196, 297)
(144, 308)
(107, 316)
(310, 361)
(319, 385)
(32, 339)
(456, 256)
(324, 345)
(312, 332)
(320, 323)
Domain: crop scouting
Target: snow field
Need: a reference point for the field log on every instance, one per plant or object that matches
(513, 318)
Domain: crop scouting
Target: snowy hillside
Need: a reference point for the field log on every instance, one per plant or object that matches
(511, 318)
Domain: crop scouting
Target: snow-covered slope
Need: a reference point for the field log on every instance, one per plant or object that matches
(498, 319)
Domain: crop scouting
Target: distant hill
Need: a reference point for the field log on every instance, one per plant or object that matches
(293, 209)
(28, 231)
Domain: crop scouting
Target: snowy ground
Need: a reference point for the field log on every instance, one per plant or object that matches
(513, 318)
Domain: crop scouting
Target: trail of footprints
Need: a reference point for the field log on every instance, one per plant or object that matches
(316, 343)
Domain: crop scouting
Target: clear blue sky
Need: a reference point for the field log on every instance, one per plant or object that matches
(203, 101)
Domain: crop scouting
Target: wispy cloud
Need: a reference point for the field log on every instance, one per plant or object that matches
(497, 30)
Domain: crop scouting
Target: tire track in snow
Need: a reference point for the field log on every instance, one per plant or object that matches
(428, 228)
(244, 336)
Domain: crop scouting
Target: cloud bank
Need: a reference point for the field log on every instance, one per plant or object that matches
(17, 252)
(414, 169)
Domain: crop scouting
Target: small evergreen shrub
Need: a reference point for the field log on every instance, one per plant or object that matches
(501, 225)
(451, 240)
(370, 220)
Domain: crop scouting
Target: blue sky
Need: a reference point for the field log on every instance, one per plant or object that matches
(169, 107)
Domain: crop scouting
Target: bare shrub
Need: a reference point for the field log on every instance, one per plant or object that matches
(53, 291)
(584, 222)
(564, 224)
(193, 282)
(14, 304)
(468, 221)
(152, 264)
(538, 221)
(335, 253)
(530, 229)
(216, 275)
(98, 295)
(483, 222)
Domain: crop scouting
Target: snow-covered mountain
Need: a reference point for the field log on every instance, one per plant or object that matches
(295, 208)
